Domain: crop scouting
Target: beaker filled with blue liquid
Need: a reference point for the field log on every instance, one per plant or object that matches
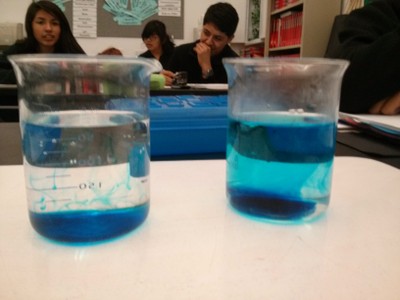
(85, 137)
(282, 115)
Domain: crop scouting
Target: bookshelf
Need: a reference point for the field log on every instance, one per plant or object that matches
(299, 28)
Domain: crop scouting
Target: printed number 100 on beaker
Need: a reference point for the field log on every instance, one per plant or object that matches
(87, 158)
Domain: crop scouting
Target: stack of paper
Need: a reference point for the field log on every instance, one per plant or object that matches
(386, 126)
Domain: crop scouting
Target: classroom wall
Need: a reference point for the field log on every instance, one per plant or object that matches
(14, 11)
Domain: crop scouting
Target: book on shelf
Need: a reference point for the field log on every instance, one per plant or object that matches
(289, 55)
(252, 51)
(278, 4)
(274, 35)
(286, 29)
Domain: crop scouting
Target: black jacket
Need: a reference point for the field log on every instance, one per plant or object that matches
(164, 59)
(184, 58)
(7, 75)
(370, 40)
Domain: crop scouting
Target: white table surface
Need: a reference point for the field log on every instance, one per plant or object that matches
(194, 246)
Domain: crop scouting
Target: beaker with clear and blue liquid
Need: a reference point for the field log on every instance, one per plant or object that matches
(85, 138)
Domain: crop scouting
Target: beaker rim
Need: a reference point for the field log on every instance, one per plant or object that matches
(279, 60)
(82, 58)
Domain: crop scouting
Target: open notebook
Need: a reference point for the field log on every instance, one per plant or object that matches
(384, 126)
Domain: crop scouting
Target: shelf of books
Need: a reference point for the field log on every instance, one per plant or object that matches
(285, 28)
(256, 50)
(281, 5)
(299, 28)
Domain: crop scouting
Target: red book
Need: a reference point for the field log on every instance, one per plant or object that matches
(299, 27)
(274, 33)
(285, 28)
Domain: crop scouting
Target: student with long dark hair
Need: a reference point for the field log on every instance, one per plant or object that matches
(158, 43)
(159, 46)
(47, 31)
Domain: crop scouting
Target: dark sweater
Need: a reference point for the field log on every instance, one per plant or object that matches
(7, 75)
(184, 58)
(164, 58)
(370, 40)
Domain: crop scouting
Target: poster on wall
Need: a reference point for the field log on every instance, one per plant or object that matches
(84, 15)
(121, 18)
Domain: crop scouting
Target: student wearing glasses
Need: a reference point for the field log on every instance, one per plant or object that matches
(159, 46)
(157, 41)
(47, 30)
(202, 60)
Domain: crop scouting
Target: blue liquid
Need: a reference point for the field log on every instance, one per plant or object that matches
(88, 226)
(280, 166)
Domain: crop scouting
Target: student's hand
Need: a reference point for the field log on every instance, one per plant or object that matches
(168, 75)
(389, 106)
(203, 56)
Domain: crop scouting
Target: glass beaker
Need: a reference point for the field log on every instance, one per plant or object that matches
(283, 116)
(86, 149)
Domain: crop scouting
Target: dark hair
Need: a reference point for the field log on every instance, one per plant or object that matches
(65, 44)
(224, 16)
(111, 51)
(157, 27)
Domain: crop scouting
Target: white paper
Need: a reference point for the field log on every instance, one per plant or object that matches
(85, 18)
(385, 123)
(169, 8)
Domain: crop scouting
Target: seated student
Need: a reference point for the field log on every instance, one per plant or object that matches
(370, 40)
(159, 45)
(202, 60)
(47, 30)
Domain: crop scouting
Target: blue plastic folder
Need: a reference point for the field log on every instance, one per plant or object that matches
(188, 124)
